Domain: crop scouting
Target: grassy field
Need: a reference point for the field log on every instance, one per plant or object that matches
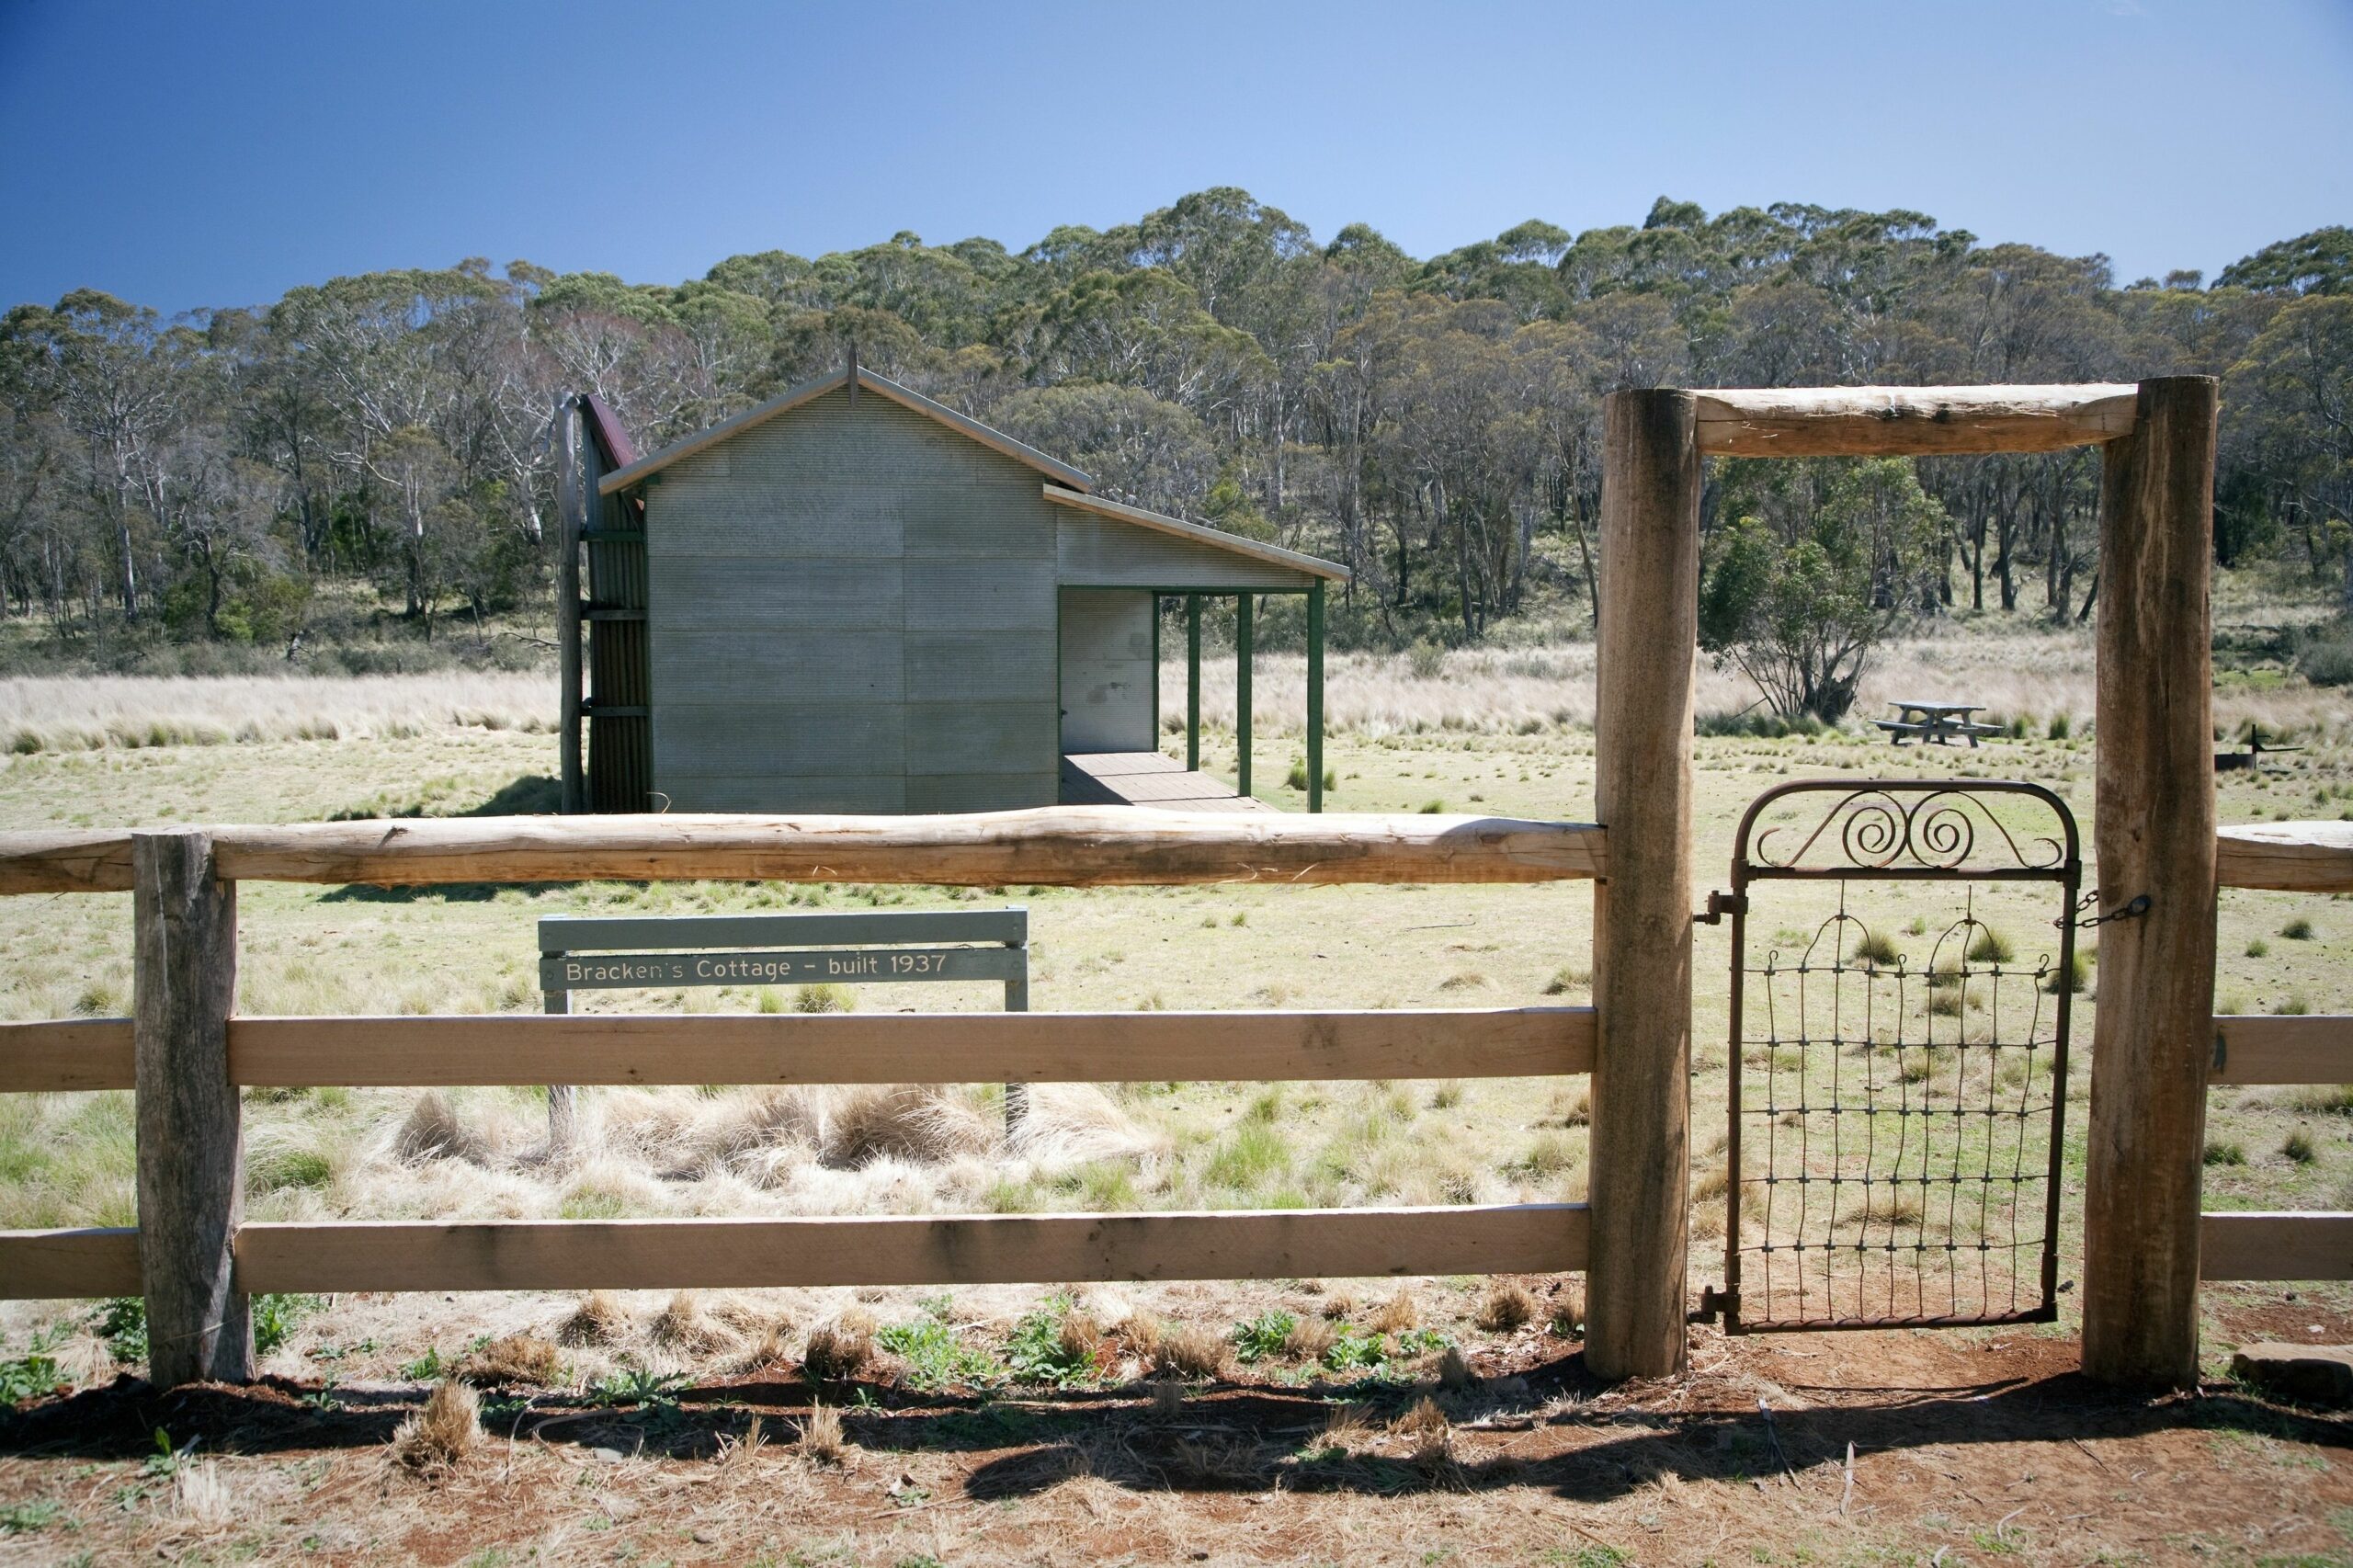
(1489, 733)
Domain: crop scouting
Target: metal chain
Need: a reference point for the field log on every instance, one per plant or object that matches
(2131, 911)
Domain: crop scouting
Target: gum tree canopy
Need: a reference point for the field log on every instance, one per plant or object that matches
(1815, 564)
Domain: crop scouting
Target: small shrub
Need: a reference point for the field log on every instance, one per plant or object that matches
(2061, 727)
(32, 1375)
(24, 1518)
(1267, 1334)
(2259, 949)
(275, 1315)
(122, 1322)
(1433, 808)
(2325, 653)
(1508, 1305)
(1055, 1345)
(637, 1388)
(2220, 1153)
(2073, 979)
(936, 1356)
(1354, 1350)
(2298, 930)
(1426, 660)
(2298, 1147)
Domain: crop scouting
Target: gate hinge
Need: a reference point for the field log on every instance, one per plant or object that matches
(1720, 905)
(1714, 1303)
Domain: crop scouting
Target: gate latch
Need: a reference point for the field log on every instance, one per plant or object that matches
(1714, 1303)
(1720, 905)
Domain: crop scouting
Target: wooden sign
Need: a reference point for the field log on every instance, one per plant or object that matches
(848, 966)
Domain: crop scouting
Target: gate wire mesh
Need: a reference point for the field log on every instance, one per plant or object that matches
(1897, 1095)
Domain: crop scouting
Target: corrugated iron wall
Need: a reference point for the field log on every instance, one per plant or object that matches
(853, 609)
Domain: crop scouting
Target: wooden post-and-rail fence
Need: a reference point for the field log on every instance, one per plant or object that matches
(188, 1055)
(2156, 1046)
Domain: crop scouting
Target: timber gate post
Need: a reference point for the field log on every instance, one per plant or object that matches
(2155, 835)
(1647, 643)
(191, 1179)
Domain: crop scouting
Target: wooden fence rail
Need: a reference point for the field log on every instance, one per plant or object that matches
(1051, 846)
(2289, 856)
(991, 1249)
(982, 1048)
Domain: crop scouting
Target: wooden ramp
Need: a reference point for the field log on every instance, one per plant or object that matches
(1146, 779)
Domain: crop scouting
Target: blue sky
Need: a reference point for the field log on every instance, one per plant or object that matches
(191, 154)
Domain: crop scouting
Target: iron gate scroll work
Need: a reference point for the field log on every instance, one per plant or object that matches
(1896, 1096)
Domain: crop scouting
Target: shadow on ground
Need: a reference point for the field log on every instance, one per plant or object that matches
(1224, 1439)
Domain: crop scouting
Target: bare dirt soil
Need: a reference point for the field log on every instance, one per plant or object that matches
(1966, 1448)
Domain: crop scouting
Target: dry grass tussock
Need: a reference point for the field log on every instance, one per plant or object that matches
(1508, 1305)
(86, 712)
(813, 1149)
(685, 1326)
(436, 1440)
(1398, 1314)
(2035, 675)
(199, 1496)
(839, 1348)
(1190, 1350)
(599, 1319)
(518, 1361)
(820, 1439)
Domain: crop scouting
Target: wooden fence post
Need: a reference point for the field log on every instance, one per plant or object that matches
(575, 494)
(1647, 643)
(192, 1180)
(2153, 830)
(1243, 605)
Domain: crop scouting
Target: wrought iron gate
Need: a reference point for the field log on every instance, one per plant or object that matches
(1898, 1070)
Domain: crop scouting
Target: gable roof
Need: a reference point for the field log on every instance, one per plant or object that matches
(882, 386)
(1201, 533)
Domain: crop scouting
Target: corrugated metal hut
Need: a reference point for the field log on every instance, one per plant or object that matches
(855, 600)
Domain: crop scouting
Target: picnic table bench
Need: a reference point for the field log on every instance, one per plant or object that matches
(1940, 721)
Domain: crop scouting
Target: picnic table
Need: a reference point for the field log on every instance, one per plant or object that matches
(1940, 721)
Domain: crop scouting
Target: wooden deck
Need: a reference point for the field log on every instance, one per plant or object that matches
(1146, 779)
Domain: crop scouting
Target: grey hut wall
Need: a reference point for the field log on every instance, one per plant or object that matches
(852, 608)
(1108, 671)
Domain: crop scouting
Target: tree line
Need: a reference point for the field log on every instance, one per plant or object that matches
(378, 444)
